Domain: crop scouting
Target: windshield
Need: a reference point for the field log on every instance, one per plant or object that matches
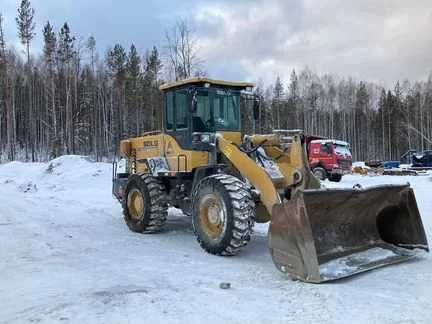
(216, 111)
(342, 150)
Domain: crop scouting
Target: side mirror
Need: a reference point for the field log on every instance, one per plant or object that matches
(256, 108)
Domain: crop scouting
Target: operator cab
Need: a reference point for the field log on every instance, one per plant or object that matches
(196, 109)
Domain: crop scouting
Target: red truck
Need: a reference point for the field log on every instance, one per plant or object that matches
(329, 158)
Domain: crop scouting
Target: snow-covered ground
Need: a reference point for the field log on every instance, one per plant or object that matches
(67, 256)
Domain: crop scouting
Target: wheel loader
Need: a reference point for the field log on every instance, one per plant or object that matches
(201, 162)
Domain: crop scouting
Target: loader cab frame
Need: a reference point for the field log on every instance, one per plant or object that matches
(195, 110)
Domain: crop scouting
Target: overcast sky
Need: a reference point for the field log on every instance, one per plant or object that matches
(375, 40)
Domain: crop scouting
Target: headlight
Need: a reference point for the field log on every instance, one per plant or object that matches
(205, 138)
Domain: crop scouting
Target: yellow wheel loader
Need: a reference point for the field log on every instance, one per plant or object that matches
(226, 181)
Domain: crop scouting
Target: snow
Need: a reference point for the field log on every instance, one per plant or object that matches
(67, 256)
(353, 263)
(325, 141)
(360, 164)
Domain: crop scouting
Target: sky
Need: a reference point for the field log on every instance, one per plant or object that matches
(256, 40)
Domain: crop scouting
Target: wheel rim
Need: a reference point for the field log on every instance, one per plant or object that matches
(319, 174)
(212, 213)
(135, 204)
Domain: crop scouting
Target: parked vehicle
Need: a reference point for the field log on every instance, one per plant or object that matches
(329, 159)
(422, 160)
(391, 164)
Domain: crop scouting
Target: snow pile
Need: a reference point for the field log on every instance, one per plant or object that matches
(66, 255)
(360, 164)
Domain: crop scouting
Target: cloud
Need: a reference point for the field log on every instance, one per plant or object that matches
(381, 41)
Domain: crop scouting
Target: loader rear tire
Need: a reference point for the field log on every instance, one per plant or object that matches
(223, 214)
(145, 205)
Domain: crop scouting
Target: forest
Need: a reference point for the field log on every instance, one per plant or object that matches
(71, 99)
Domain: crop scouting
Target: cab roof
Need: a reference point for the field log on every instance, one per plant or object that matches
(333, 141)
(206, 81)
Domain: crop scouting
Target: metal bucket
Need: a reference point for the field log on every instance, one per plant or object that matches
(322, 235)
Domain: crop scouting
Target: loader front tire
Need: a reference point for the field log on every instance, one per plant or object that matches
(223, 214)
(145, 205)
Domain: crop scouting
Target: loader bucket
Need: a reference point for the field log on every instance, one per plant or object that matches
(327, 234)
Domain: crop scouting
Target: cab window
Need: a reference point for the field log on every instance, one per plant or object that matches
(202, 120)
(169, 111)
(181, 110)
(326, 148)
(226, 111)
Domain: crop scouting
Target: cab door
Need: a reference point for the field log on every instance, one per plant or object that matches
(326, 154)
(177, 120)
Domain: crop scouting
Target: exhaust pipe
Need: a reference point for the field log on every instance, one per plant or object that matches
(322, 235)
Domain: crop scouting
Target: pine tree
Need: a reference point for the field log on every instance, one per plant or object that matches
(116, 61)
(65, 54)
(389, 126)
(25, 24)
(134, 77)
(26, 33)
(382, 111)
(50, 44)
(362, 131)
(153, 67)
(91, 46)
(294, 96)
(65, 50)
(277, 97)
(2, 42)
(133, 64)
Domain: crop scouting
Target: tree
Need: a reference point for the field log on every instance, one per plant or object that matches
(360, 119)
(382, 111)
(153, 67)
(50, 41)
(116, 61)
(2, 42)
(50, 44)
(294, 96)
(26, 33)
(91, 46)
(65, 51)
(182, 51)
(65, 54)
(57, 103)
(26, 25)
(277, 100)
(133, 100)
